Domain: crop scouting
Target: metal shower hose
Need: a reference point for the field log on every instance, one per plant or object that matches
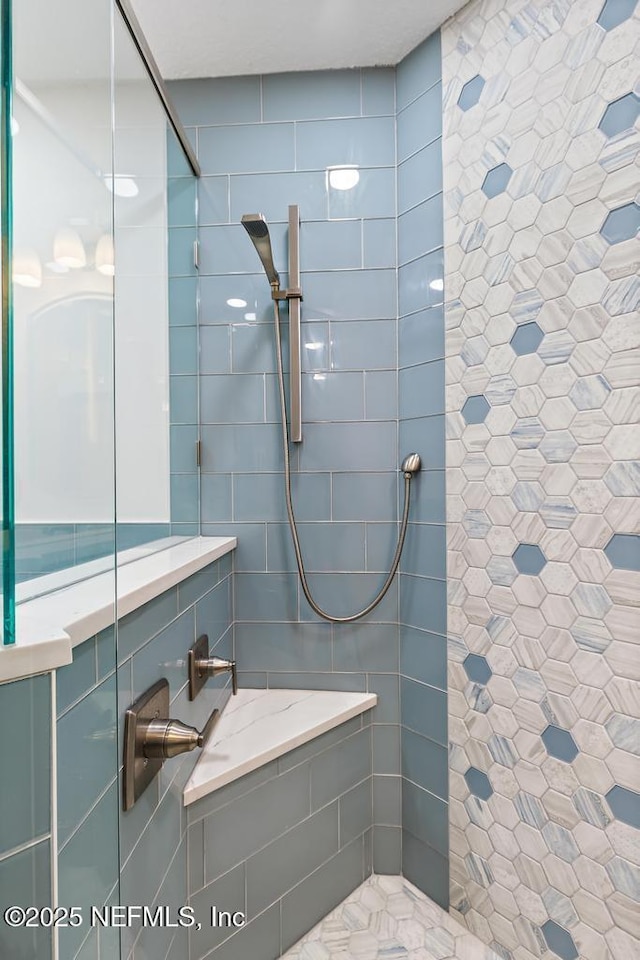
(292, 520)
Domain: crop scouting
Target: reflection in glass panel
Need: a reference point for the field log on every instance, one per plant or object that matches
(142, 342)
(154, 197)
(63, 295)
(104, 387)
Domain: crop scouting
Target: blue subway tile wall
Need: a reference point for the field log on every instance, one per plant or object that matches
(286, 843)
(91, 699)
(325, 141)
(87, 751)
(421, 403)
(25, 811)
(25, 882)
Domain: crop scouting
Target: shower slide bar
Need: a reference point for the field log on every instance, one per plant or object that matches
(256, 227)
(294, 296)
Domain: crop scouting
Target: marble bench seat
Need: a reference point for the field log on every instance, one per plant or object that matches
(258, 726)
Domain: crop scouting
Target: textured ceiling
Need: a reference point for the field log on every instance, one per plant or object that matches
(212, 38)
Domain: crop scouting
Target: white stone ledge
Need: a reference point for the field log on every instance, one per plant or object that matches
(258, 726)
(49, 626)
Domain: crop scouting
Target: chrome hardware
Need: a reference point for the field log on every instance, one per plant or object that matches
(411, 464)
(294, 297)
(150, 739)
(256, 226)
(201, 667)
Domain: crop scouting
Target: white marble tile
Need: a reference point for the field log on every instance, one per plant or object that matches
(387, 917)
(259, 725)
(561, 470)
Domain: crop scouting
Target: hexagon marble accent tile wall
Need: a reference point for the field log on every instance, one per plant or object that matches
(545, 848)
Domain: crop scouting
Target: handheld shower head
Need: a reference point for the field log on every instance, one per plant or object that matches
(256, 226)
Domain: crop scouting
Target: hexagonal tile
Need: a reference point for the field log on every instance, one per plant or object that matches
(559, 477)
(559, 940)
(559, 907)
(475, 409)
(529, 559)
(558, 512)
(470, 93)
(478, 783)
(478, 869)
(625, 877)
(621, 224)
(558, 446)
(586, 292)
(558, 346)
(615, 12)
(476, 523)
(591, 807)
(560, 842)
(590, 635)
(439, 942)
(527, 433)
(623, 478)
(624, 732)
(527, 496)
(559, 743)
(625, 805)
(474, 351)
(530, 809)
(590, 393)
(477, 668)
(496, 180)
(620, 115)
(623, 551)
(591, 600)
(527, 338)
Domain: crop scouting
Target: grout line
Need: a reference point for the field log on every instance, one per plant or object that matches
(21, 848)
(86, 816)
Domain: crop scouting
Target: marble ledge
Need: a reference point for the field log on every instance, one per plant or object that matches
(50, 626)
(258, 726)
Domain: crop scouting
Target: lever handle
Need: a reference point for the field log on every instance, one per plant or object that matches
(150, 739)
(211, 666)
(164, 739)
(208, 728)
(202, 666)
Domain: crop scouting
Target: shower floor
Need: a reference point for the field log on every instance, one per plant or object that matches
(387, 918)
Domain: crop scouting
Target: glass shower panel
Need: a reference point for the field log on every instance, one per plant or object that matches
(183, 341)
(64, 469)
(7, 579)
(155, 308)
(142, 343)
(63, 291)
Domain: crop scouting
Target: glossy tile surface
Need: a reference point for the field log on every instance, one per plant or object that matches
(25, 708)
(423, 810)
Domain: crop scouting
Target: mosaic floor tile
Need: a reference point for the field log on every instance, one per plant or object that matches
(387, 918)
